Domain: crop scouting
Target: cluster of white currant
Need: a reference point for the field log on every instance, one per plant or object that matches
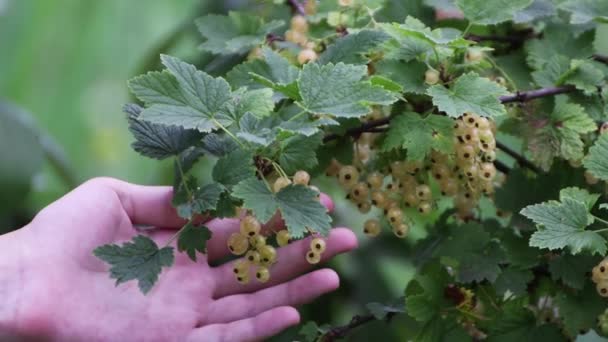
(251, 242)
(599, 275)
(464, 175)
(297, 34)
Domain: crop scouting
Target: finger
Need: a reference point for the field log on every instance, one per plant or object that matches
(145, 205)
(217, 247)
(295, 292)
(291, 262)
(256, 328)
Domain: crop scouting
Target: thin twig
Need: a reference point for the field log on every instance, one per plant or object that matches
(523, 96)
(296, 6)
(343, 330)
(600, 58)
(521, 160)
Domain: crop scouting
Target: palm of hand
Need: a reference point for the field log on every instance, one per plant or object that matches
(69, 295)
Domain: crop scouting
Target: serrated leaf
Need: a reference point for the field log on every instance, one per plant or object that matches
(218, 145)
(416, 28)
(470, 93)
(158, 141)
(562, 224)
(193, 239)
(351, 49)
(596, 161)
(257, 197)
(257, 102)
(256, 131)
(538, 9)
(233, 168)
(194, 99)
(299, 153)
(339, 90)
(420, 135)
(558, 39)
(301, 209)
(513, 280)
(140, 260)
(581, 195)
(226, 206)
(425, 294)
(190, 200)
(235, 33)
(584, 11)
(584, 75)
(491, 12)
(381, 311)
(572, 270)
(410, 75)
(579, 311)
(309, 331)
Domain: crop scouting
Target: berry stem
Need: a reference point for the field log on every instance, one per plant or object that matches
(521, 160)
(182, 176)
(174, 236)
(602, 221)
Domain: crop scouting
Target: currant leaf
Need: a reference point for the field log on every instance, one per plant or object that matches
(491, 12)
(420, 135)
(233, 168)
(192, 239)
(351, 49)
(596, 161)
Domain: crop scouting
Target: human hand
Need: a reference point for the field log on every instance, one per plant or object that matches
(58, 290)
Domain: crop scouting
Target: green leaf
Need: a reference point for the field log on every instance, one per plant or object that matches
(386, 83)
(562, 224)
(538, 9)
(552, 71)
(193, 238)
(158, 141)
(299, 153)
(226, 206)
(139, 260)
(218, 145)
(256, 197)
(584, 11)
(190, 200)
(257, 102)
(579, 311)
(580, 195)
(301, 209)
(274, 68)
(513, 280)
(297, 204)
(183, 96)
(410, 75)
(351, 49)
(256, 131)
(233, 168)
(420, 135)
(476, 257)
(425, 296)
(235, 33)
(381, 311)
(584, 75)
(470, 93)
(416, 28)
(558, 39)
(491, 12)
(309, 331)
(596, 161)
(339, 91)
(572, 269)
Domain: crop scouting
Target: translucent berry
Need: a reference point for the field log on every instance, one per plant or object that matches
(257, 241)
(364, 207)
(487, 171)
(253, 257)
(371, 227)
(348, 176)
(307, 55)
(395, 216)
(333, 168)
(590, 178)
(301, 177)
(471, 171)
(401, 230)
(465, 153)
(378, 199)
(250, 226)
(318, 245)
(473, 55)
(411, 199)
(483, 123)
(431, 76)
(238, 243)
(423, 192)
(604, 127)
(397, 169)
(280, 183)
(489, 156)
(449, 187)
(262, 274)
(602, 288)
(241, 267)
(440, 171)
(243, 279)
(299, 23)
(424, 207)
(268, 254)
(313, 257)
(282, 237)
(375, 180)
(359, 192)
(413, 166)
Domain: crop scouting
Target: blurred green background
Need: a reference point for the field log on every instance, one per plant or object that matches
(63, 72)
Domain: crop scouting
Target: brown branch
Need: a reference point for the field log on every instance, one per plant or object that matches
(515, 38)
(523, 96)
(343, 330)
(521, 160)
(297, 7)
(356, 131)
(600, 58)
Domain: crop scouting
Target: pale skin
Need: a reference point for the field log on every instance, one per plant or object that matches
(52, 287)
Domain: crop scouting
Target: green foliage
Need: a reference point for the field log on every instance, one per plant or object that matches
(139, 260)
(420, 135)
(470, 93)
(193, 239)
(597, 159)
(491, 12)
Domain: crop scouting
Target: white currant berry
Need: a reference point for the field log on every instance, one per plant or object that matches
(307, 55)
(241, 267)
(253, 257)
(318, 245)
(602, 288)
(424, 207)
(375, 180)
(282, 237)
(401, 230)
(280, 183)
(604, 128)
(301, 177)
(431, 76)
(262, 274)
(238, 243)
(359, 192)
(268, 255)
(257, 241)
(364, 207)
(487, 171)
(371, 227)
(423, 192)
(299, 24)
(473, 55)
(250, 226)
(313, 257)
(395, 216)
(411, 199)
(243, 278)
(590, 178)
(378, 199)
(348, 176)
